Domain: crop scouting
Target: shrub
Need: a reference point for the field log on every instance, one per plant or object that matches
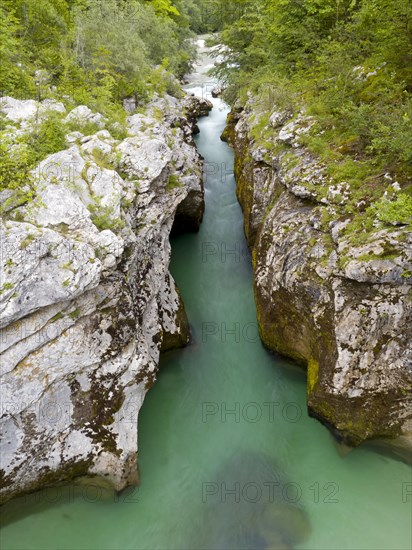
(396, 212)
(102, 217)
(173, 182)
(15, 176)
(46, 138)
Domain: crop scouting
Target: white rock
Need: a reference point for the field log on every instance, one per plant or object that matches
(86, 311)
(82, 114)
(18, 110)
(278, 118)
(144, 160)
(73, 137)
(287, 133)
(91, 143)
(52, 105)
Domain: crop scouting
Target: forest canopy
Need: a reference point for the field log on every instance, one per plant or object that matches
(95, 51)
(347, 62)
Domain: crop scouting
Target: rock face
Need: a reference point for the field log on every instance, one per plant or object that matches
(87, 301)
(338, 306)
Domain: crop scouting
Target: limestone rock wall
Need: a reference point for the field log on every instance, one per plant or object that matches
(86, 298)
(341, 309)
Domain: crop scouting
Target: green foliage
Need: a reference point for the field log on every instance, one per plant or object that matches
(14, 79)
(173, 182)
(164, 7)
(28, 240)
(395, 212)
(85, 127)
(97, 53)
(102, 159)
(110, 47)
(103, 217)
(6, 286)
(15, 176)
(349, 62)
(46, 138)
(391, 136)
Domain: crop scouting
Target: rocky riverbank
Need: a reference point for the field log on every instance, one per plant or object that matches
(87, 302)
(335, 298)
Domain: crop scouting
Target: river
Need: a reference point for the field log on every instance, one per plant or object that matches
(220, 405)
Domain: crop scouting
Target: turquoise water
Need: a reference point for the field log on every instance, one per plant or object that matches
(218, 406)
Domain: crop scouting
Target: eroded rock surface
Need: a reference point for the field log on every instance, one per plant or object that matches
(337, 302)
(87, 301)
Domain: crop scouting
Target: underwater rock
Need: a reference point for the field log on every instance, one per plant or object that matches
(248, 506)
